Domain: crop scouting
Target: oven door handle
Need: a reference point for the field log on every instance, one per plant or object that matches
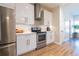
(42, 34)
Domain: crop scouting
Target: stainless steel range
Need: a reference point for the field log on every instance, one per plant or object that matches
(41, 37)
(41, 40)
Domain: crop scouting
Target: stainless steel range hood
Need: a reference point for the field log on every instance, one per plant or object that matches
(38, 11)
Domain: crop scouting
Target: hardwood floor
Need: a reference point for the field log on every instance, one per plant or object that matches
(53, 50)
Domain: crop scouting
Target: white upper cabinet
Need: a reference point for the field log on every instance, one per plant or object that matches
(30, 13)
(48, 17)
(25, 13)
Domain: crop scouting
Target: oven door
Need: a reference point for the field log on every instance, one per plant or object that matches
(8, 50)
(41, 36)
(41, 40)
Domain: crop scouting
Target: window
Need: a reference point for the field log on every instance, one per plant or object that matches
(72, 25)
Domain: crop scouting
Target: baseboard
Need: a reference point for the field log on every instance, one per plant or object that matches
(26, 52)
(58, 43)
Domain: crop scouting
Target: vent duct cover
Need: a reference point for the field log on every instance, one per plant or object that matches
(38, 11)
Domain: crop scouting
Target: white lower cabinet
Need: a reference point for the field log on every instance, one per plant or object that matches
(26, 43)
(49, 37)
(31, 41)
(21, 44)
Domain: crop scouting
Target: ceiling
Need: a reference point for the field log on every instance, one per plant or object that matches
(52, 5)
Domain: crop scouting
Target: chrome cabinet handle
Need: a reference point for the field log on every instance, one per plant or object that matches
(28, 42)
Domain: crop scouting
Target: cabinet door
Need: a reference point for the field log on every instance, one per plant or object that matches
(48, 17)
(30, 12)
(25, 12)
(20, 13)
(50, 38)
(45, 17)
(20, 9)
(32, 41)
(21, 45)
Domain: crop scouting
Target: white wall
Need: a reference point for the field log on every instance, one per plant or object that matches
(55, 23)
(61, 23)
(26, 28)
(58, 23)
